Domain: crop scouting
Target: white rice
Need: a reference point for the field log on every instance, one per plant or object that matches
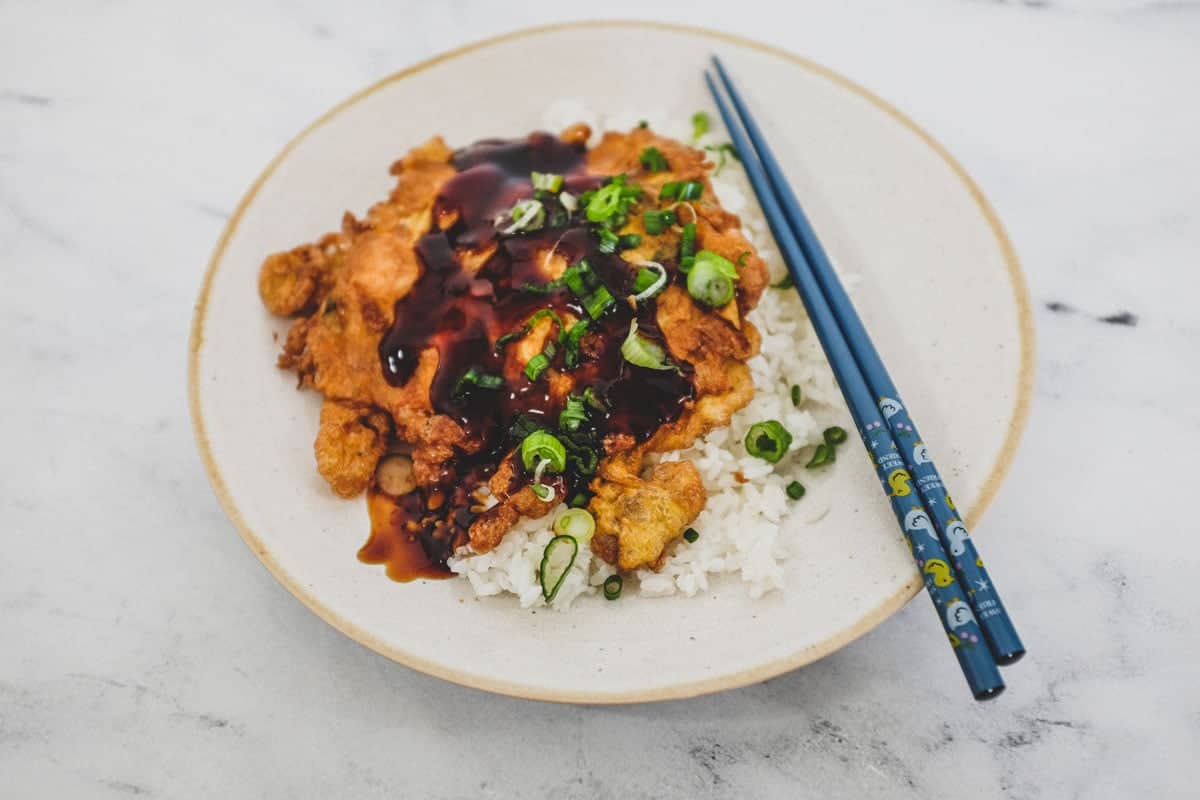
(740, 526)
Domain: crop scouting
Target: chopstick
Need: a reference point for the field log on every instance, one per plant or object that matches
(981, 591)
(959, 622)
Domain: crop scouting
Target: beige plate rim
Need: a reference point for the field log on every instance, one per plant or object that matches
(762, 672)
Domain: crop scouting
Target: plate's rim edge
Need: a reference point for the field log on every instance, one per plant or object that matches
(991, 486)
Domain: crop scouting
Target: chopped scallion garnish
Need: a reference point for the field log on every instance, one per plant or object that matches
(546, 181)
(652, 160)
(592, 399)
(797, 395)
(710, 280)
(629, 240)
(691, 535)
(612, 200)
(612, 587)
(579, 278)
(641, 352)
(598, 303)
(539, 363)
(653, 272)
(569, 201)
(527, 215)
(681, 190)
(786, 283)
(576, 523)
(699, 125)
(571, 343)
(608, 241)
(723, 151)
(690, 190)
(537, 317)
(473, 377)
(795, 490)
(656, 222)
(768, 440)
(687, 245)
(542, 446)
(573, 415)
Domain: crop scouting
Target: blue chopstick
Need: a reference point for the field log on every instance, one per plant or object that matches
(981, 591)
(974, 658)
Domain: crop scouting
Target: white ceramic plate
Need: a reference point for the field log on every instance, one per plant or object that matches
(941, 292)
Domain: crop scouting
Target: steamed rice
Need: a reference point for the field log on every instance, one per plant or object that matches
(740, 526)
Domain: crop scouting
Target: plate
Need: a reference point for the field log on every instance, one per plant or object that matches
(940, 288)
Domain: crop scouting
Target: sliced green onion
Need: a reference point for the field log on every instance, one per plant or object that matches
(643, 123)
(527, 215)
(768, 440)
(721, 264)
(473, 377)
(797, 395)
(690, 190)
(612, 587)
(569, 201)
(590, 397)
(795, 490)
(710, 280)
(522, 427)
(699, 125)
(741, 259)
(571, 343)
(543, 446)
(576, 523)
(578, 500)
(656, 222)
(641, 352)
(536, 366)
(584, 460)
(541, 288)
(723, 151)
(604, 203)
(691, 535)
(608, 241)
(687, 245)
(681, 190)
(579, 278)
(630, 240)
(611, 200)
(643, 280)
(835, 435)
(546, 181)
(824, 454)
(557, 559)
(652, 160)
(573, 415)
(544, 493)
(537, 317)
(786, 283)
(598, 303)
(658, 278)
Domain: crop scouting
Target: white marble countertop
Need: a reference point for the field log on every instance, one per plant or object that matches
(147, 654)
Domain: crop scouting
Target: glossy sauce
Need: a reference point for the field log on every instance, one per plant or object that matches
(461, 314)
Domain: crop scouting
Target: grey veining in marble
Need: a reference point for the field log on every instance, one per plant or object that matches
(146, 654)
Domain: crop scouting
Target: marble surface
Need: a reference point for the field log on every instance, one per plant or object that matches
(146, 653)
